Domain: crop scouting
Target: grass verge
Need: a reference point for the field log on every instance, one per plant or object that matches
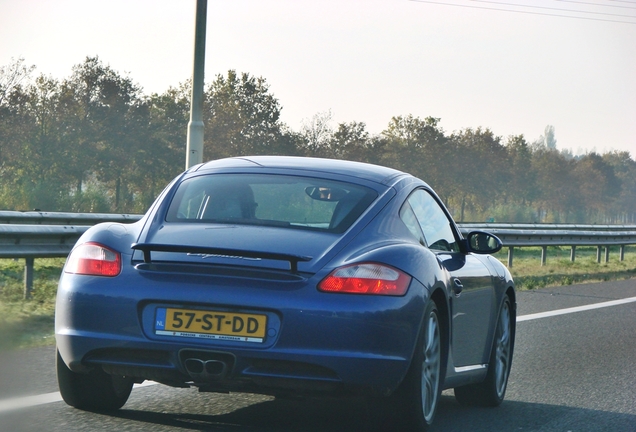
(529, 274)
(26, 323)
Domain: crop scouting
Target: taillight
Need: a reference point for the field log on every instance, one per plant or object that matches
(93, 259)
(366, 278)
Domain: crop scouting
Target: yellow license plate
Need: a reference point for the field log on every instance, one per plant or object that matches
(207, 324)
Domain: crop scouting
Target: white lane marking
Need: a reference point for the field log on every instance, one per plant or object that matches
(31, 401)
(575, 309)
(43, 399)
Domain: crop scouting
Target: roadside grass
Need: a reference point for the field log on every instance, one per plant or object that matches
(529, 274)
(28, 323)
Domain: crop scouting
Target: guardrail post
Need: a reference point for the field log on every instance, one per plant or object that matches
(607, 254)
(544, 253)
(28, 278)
(598, 254)
(573, 253)
(622, 253)
(511, 251)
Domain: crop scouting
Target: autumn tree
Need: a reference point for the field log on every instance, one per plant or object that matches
(597, 184)
(351, 141)
(29, 140)
(419, 146)
(161, 155)
(623, 207)
(95, 142)
(482, 169)
(241, 117)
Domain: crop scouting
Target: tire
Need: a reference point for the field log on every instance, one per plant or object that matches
(413, 405)
(95, 391)
(492, 390)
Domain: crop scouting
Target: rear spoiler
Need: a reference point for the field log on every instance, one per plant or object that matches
(147, 248)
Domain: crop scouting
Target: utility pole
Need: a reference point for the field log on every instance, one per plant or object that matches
(194, 147)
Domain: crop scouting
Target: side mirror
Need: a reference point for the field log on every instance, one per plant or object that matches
(481, 242)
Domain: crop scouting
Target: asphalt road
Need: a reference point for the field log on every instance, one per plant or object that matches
(571, 372)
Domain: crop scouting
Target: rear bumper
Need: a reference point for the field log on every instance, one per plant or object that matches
(315, 343)
(268, 372)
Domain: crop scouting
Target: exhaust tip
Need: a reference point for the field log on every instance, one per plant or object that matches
(215, 367)
(206, 366)
(194, 366)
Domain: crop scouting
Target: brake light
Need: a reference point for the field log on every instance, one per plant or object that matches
(93, 259)
(366, 278)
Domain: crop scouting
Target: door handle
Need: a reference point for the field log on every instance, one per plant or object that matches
(458, 287)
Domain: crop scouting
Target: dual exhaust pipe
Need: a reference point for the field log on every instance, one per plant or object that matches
(204, 366)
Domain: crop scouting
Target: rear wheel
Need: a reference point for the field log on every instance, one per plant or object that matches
(95, 391)
(412, 407)
(492, 390)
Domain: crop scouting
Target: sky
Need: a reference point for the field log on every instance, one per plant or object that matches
(513, 66)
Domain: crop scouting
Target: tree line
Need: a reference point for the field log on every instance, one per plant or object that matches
(94, 142)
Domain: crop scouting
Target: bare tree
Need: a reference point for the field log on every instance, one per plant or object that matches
(317, 133)
(11, 76)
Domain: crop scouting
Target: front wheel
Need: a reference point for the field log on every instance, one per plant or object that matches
(95, 391)
(412, 407)
(492, 390)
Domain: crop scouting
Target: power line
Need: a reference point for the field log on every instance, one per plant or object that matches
(598, 5)
(552, 8)
(524, 12)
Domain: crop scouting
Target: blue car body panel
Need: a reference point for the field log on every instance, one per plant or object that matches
(315, 341)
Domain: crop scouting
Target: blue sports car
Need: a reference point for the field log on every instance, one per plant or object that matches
(289, 276)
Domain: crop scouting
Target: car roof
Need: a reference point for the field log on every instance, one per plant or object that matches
(375, 173)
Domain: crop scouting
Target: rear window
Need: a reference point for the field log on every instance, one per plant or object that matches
(270, 200)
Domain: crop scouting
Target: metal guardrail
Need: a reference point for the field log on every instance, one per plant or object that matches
(38, 241)
(31, 235)
(61, 218)
(547, 227)
(544, 235)
(47, 235)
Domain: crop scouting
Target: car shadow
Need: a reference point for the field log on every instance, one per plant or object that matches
(526, 416)
(307, 415)
(351, 415)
